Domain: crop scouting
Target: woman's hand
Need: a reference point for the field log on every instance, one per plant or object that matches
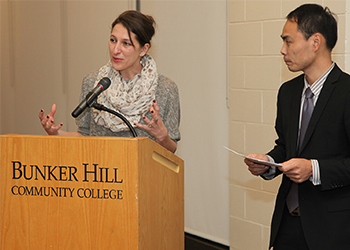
(157, 128)
(48, 122)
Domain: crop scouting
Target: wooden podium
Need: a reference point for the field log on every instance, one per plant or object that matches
(89, 193)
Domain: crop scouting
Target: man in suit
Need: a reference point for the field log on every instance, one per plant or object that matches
(312, 209)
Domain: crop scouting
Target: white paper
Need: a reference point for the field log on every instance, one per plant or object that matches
(267, 163)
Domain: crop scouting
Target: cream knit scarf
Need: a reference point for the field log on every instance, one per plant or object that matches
(129, 97)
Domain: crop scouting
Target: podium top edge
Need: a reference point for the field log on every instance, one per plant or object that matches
(73, 137)
(137, 140)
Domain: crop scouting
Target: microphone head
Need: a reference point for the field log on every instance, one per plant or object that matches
(105, 82)
(102, 85)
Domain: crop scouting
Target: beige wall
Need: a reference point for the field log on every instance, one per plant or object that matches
(47, 48)
(256, 70)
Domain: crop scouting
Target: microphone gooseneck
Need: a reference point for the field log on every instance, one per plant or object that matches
(104, 108)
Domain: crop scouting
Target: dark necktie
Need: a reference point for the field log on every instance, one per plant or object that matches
(308, 107)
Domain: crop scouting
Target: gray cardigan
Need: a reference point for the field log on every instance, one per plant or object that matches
(167, 97)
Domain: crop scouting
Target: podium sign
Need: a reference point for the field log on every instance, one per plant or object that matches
(89, 193)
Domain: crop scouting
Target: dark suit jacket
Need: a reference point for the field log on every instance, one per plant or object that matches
(325, 209)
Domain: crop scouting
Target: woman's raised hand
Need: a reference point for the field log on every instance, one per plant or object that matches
(48, 122)
(157, 128)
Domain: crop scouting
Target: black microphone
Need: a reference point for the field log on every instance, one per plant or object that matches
(91, 96)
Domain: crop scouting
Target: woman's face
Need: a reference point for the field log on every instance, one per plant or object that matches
(126, 57)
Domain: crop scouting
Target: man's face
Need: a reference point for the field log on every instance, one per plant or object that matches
(298, 53)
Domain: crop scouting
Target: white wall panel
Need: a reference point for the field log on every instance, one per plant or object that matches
(190, 48)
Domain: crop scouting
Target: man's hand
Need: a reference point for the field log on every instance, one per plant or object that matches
(254, 168)
(297, 169)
